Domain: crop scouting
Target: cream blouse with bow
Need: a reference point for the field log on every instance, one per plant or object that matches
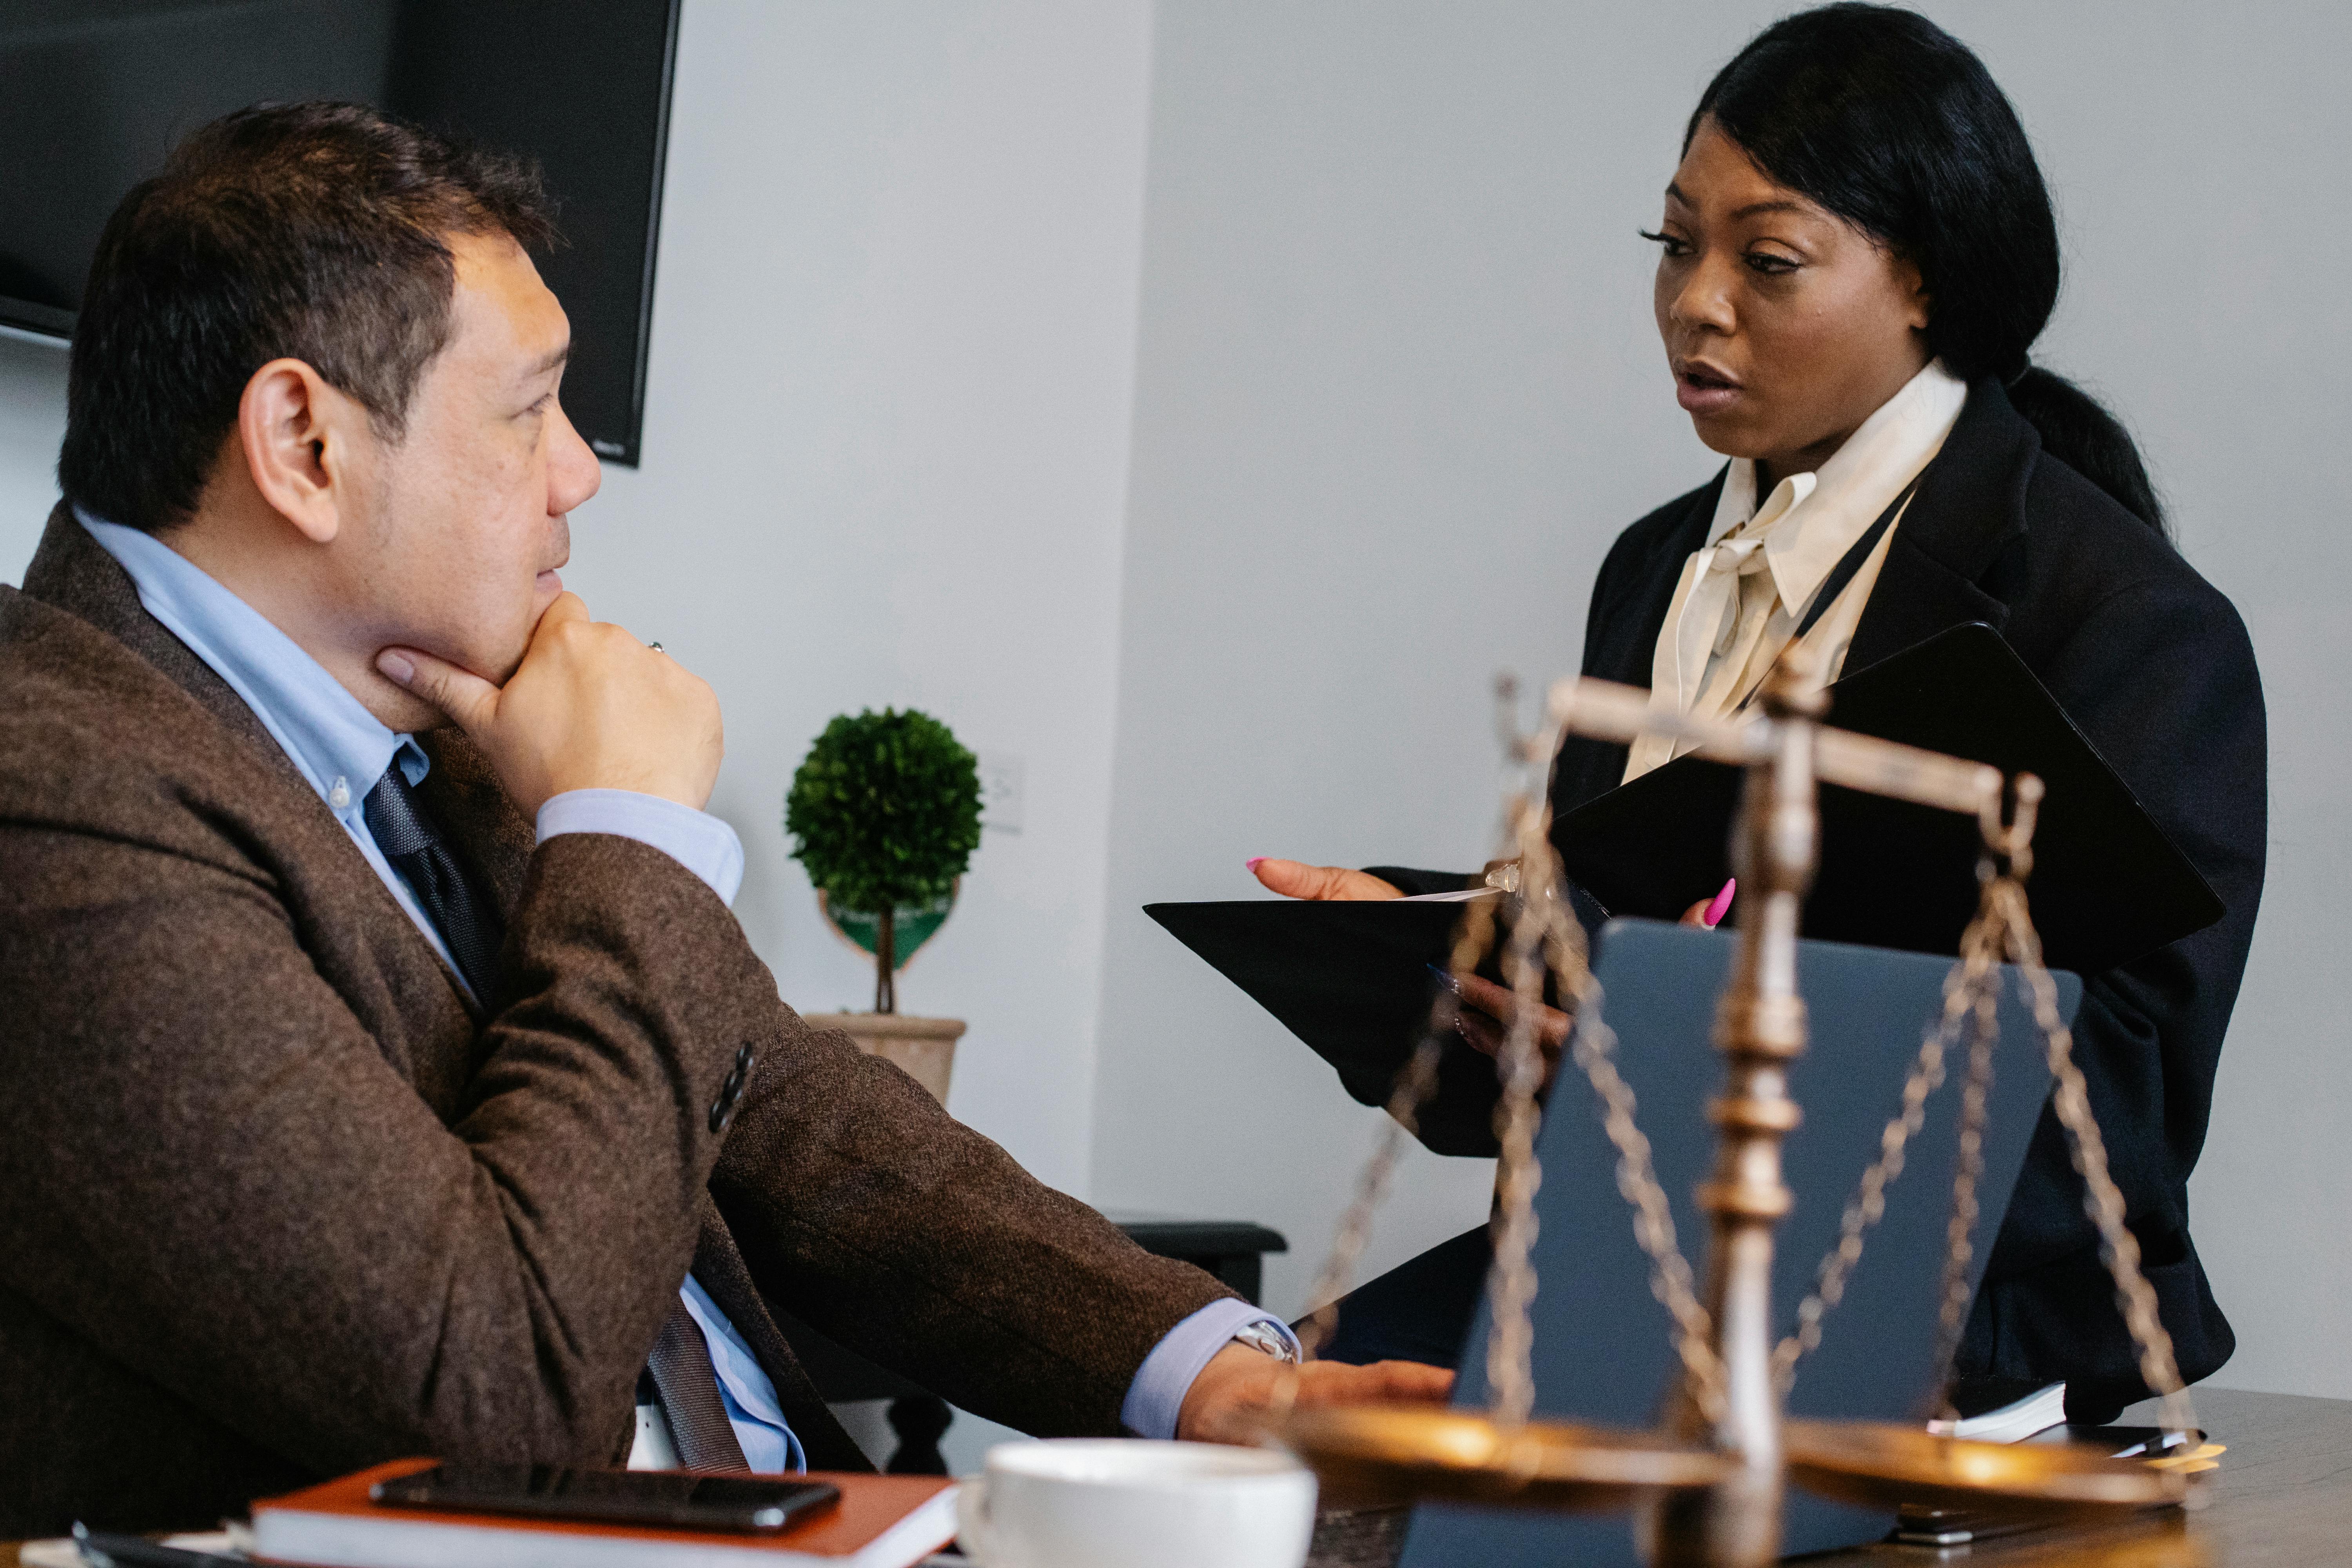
(1744, 593)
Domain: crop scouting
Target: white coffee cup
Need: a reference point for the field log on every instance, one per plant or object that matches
(1089, 1502)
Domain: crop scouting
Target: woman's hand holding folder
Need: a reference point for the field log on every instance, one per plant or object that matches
(1296, 879)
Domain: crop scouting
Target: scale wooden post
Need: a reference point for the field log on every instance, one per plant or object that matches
(1760, 1027)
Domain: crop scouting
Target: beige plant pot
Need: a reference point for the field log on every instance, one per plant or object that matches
(924, 1048)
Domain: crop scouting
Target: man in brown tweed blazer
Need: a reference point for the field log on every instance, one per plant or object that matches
(316, 1148)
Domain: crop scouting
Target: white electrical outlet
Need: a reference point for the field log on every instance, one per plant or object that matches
(1000, 791)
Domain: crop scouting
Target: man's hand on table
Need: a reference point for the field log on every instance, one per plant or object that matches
(1230, 1398)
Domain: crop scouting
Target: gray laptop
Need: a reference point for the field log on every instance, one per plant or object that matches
(1601, 1350)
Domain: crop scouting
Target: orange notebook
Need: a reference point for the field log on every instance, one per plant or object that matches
(883, 1522)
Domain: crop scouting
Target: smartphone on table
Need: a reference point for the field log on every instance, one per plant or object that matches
(666, 1499)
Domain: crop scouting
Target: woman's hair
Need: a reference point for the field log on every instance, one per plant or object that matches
(1894, 125)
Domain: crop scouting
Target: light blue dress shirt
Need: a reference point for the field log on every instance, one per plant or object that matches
(342, 750)
(766, 1438)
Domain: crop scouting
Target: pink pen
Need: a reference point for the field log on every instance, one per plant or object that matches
(1721, 902)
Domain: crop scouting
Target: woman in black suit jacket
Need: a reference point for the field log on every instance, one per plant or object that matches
(1856, 202)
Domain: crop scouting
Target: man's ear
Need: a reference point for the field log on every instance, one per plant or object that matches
(300, 439)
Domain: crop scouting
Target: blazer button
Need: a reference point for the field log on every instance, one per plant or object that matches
(730, 1093)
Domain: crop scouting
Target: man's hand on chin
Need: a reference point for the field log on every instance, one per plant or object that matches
(1228, 1402)
(590, 707)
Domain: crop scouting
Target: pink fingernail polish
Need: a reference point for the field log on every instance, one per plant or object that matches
(1253, 862)
(1715, 911)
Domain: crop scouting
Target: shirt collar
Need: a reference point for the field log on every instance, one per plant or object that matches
(339, 746)
(1814, 519)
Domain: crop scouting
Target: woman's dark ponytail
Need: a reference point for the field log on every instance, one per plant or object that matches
(1894, 125)
(2077, 430)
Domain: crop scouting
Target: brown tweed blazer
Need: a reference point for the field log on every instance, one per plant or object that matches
(275, 1203)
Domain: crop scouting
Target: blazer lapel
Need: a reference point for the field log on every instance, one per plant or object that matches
(72, 572)
(720, 1269)
(1620, 649)
(1970, 505)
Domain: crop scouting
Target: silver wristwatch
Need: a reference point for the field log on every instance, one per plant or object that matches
(1261, 1336)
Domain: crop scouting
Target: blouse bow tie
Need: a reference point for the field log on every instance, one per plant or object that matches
(1709, 621)
(1721, 566)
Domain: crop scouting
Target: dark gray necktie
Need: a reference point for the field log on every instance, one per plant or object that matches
(468, 921)
(689, 1385)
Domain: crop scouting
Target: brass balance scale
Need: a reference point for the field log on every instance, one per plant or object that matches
(1707, 1484)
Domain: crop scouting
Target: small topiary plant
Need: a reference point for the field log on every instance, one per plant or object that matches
(885, 813)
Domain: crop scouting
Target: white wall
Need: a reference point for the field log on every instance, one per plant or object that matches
(1369, 318)
(885, 459)
(1398, 388)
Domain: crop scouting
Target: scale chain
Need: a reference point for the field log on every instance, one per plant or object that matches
(2103, 1201)
(1670, 1280)
(1414, 1086)
(1414, 1083)
(1511, 1346)
(1959, 1246)
(1592, 1048)
(1968, 993)
(1544, 922)
(1543, 915)
(2004, 924)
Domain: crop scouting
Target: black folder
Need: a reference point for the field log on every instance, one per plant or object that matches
(1352, 980)
(2108, 886)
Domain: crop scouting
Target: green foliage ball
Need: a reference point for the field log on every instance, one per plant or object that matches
(885, 813)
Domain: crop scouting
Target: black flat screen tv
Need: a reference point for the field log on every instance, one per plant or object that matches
(93, 93)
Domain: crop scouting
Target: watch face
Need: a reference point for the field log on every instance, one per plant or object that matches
(1263, 1337)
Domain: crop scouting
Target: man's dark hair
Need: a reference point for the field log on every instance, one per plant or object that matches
(312, 231)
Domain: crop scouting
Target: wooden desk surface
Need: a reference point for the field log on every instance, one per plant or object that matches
(2283, 1499)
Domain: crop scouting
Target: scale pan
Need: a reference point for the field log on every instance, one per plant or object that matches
(1878, 1465)
(1367, 1455)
